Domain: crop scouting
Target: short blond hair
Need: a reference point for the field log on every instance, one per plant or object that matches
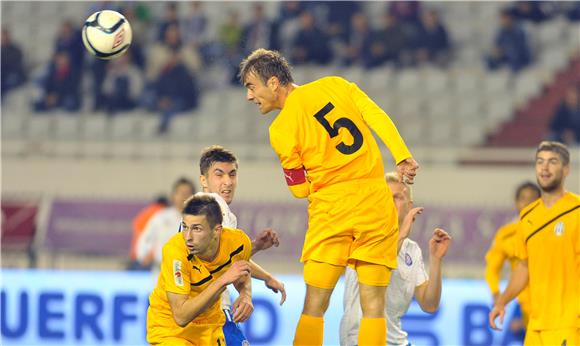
(393, 177)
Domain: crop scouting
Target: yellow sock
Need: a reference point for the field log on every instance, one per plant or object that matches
(373, 331)
(310, 331)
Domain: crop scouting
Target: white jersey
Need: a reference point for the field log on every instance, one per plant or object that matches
(230, 221)
(158, 230)
(409, 274)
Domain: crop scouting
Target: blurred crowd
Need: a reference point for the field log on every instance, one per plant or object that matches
(161, 71)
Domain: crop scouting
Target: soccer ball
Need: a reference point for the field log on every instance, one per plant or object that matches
(107, 34)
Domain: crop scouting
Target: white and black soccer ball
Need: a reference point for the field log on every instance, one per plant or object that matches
(107, 34)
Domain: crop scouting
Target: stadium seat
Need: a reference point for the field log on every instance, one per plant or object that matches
(40, 126)
(95, 126)
(67, 126)
(124, 126)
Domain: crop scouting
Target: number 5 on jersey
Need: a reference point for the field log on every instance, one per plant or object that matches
(333, 129)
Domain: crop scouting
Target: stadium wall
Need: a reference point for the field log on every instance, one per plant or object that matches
(446, 182)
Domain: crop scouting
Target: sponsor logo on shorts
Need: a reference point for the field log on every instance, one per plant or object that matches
(177, 274)
(559, 229)
(408, 259)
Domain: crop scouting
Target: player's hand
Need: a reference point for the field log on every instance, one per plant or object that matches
(516, 325)
(439, 243)
(238, 270)
(498, 310)
(407, 170)
(276, 286)
(242, 308)
(407, 224)
(265, 240)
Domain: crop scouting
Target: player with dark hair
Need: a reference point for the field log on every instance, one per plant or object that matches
(198, 263)
(503, 249)
(219, 178)
(548, 246)
(323, 139)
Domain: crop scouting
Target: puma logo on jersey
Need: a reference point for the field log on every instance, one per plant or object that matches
(197, 268)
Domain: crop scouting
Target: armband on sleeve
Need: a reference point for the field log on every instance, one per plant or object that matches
(295, 176)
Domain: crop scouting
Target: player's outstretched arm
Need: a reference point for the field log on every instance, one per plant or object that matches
(270, 281)
(429, 295)
(185, 308)
(265, 240)
(518, 281)
(243, 307)
(407, 225)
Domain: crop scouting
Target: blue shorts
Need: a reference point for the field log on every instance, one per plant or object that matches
(232, 332)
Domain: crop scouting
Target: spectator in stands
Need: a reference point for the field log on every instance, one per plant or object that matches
(565, 126)
(139, 25)
(572, 10)
(257, 33)
(60, 86)
(123, 85)
(69, 40)
(432, 42)
(388, 42)
(139, 223)
(230, 39)
(529, 10)
(171, 71)
(171, 19)
(287, 23)
(12, 69)
(339, 18)
(511, 46)
(195, 25)
(310, 44)
(358, 43)
(408, 14)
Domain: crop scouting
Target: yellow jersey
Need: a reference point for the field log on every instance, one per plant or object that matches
(503, 249)
(324, 130)
(183, 273)
(549, 239)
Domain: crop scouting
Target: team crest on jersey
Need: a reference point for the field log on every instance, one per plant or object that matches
(559, 229)
(408, 259)
(177, 274)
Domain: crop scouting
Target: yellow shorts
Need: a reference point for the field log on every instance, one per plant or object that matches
(555, 337)
(352, 221)
(192, 335)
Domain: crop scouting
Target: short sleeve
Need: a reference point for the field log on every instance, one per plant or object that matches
(419, 273)
(246, 252)
(175, 270)
(521, 251)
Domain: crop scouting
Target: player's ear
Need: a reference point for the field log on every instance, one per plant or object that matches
(566, 170)
(218, 228)
(273, 83)
(203, 181)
